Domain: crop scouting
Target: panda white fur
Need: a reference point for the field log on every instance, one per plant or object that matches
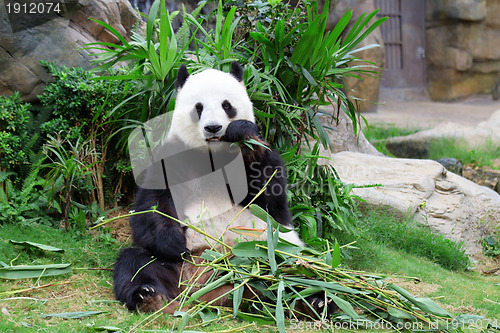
(212, 109)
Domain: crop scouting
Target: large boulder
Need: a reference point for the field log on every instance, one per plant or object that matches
(59, 38)
(449, 204)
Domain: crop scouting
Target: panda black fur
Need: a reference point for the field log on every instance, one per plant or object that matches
(211, 104)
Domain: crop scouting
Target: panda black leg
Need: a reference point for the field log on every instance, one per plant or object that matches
(314, 306)
(319, 303)
(143, 283)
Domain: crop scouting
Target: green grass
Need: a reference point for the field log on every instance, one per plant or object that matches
(480, 155)
(409, 237)
(91, 290)
(377, 132)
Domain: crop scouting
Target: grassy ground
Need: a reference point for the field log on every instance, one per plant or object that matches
(89, 286)
(481, 155)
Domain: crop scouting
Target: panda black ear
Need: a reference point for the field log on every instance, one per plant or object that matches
(182, 76)
(236, 71)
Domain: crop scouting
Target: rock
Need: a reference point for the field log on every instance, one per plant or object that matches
(416, 145)
(449, 204)
(461, 61)
(343, 137)
(58, 39)
(484, 176)
(467, 10)
(366, 88)
(451, 164)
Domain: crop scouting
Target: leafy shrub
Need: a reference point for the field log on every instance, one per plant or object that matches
(32, 203)
(491, 247)
(83, 110)
(14, 118)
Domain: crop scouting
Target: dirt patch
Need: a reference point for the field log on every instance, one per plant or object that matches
(484, 176)
(416, 289)
(120, 228)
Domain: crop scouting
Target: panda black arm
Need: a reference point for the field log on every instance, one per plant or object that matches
(161, 236)
(260, 164)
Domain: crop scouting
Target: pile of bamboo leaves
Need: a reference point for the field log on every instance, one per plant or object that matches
(278, 275)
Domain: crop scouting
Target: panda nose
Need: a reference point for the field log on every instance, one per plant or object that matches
(213, 128)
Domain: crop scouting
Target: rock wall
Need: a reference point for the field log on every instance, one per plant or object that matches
(463, 47)
(366, 88)
(59, 38)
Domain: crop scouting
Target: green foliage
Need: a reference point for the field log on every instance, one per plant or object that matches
(14, 118)
(85, 110)
(78, 103)
(376, 133)
(33, 202)
(282, 275)
(69, 165)
(320, 202)
(491, 247)
(478, 155)
(293, 66)
(408, 236)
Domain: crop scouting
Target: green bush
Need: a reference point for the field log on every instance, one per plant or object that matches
(33, 202)
(14, 119)
(85, 110)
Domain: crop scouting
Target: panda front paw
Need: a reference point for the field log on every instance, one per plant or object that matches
(240, 130)
(147, 298)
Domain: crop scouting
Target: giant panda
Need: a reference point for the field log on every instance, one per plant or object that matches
(214, 111)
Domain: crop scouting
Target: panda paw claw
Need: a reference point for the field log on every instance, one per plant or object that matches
(142, 293)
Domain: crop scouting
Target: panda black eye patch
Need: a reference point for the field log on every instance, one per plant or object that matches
(199, 109)
(228, 108)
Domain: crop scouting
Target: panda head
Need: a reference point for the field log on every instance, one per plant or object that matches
(207, 102)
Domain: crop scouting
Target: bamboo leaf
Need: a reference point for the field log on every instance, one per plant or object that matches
(73, 315)
(185, 318)
(36, 271)
(328, 286)
(250, 250)
(108, 329)
(237, 298)
(210, 287)
(270, 246)
(263, 215)
(344, 306)
(247, 231)
(280, 313)
(399, 313)
(207, 315)
(112, 30)
(336, 255)
(37, 245)
(153, 14)
(425, 304)
(259, 319)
